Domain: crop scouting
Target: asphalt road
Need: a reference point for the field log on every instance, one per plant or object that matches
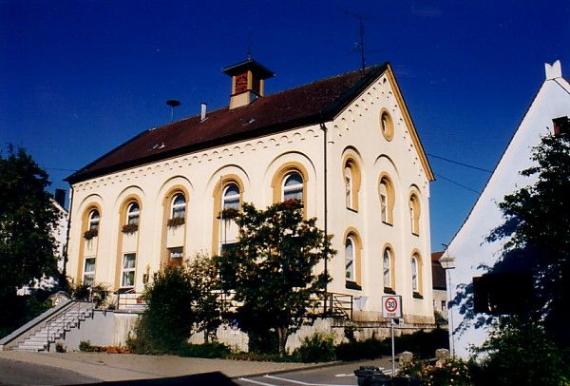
(21, 373)
(339, 375)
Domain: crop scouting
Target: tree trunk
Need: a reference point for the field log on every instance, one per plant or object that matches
(282, 335)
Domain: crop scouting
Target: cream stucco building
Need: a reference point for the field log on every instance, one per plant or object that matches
(345, 145)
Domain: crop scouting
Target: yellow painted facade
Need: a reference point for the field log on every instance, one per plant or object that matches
(258, 166)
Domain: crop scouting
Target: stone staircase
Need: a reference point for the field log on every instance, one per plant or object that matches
(46, 329)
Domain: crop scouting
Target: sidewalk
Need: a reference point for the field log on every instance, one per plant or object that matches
(118, 367)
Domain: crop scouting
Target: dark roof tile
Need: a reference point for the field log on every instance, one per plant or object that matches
(309, 104)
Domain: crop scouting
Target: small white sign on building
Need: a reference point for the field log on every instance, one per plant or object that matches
(392, 306)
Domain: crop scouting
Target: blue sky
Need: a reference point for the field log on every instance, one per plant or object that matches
(79, 77)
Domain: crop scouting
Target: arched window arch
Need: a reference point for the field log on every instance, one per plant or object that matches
(386, 195)
(292, 186)
(93, 220)
(414, 207)
(388, 270)
(178, 206)
(386, 125)
(352, 259)
(291, 181)
(352, 179)
(416, 274)
(133, 213)
(227, 194)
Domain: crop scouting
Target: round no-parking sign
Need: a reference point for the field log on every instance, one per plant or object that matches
(392, 306)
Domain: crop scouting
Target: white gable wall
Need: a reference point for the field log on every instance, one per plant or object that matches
(469, 246)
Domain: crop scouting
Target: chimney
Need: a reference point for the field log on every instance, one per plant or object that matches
(248, 82)
(59, 197)
(203, 108)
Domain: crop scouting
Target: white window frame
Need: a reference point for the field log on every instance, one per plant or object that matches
(294, 190)
(415, 274)
(126, 270)
(90, 274)
(133, 213)
(229, 199)
(387, 271)
(94, 221)
(348, 182)
(383, 191)
(350, 259)
(178, 210)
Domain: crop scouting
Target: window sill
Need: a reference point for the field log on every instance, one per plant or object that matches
(387, 223)
(388, 290)
(415, 234)
(417, 295)
(353, 285)
(352, 209)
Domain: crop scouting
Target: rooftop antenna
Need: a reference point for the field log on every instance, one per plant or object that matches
(249, 54)
(173, 103)
(360, 44)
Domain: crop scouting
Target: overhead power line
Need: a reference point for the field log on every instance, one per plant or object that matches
(461, 163)
(458, 184)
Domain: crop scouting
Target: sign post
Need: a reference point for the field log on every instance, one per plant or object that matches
(392, 309)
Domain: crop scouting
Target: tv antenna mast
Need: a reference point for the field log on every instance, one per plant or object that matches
(359, 45)
(173, 103)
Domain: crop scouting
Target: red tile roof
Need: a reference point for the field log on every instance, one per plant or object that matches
(310, 104)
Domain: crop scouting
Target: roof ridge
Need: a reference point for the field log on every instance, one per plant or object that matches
(339, 75)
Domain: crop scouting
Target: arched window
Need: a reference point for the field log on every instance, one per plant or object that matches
(386, 125)
(352, 179)
(387, 266)
(386, 195)
(349, 259)
(415, 274)
(293, 186)
(133, 213)
(348, 185)
(93, 220)
(415, 214)
(178, 206)
(230, 197)
(229, 229)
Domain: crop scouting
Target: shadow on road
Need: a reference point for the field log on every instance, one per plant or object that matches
(209, 379)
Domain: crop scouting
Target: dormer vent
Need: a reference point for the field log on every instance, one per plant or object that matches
(248, 82)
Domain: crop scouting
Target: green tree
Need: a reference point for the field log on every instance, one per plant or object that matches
(537, 234)
(166, 323)
(271, 269)
(27, 217)
(204, 279)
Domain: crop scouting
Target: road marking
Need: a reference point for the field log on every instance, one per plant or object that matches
(256, 382)
(345, 375)
(301, 382)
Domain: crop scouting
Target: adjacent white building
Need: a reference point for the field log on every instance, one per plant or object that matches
(468, 247)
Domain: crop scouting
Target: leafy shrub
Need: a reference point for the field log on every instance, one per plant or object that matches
(86, 346)
(206, 350)
(367, 349)
(166, 323)
(319, 347)
(452, 372)
(521, 354)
